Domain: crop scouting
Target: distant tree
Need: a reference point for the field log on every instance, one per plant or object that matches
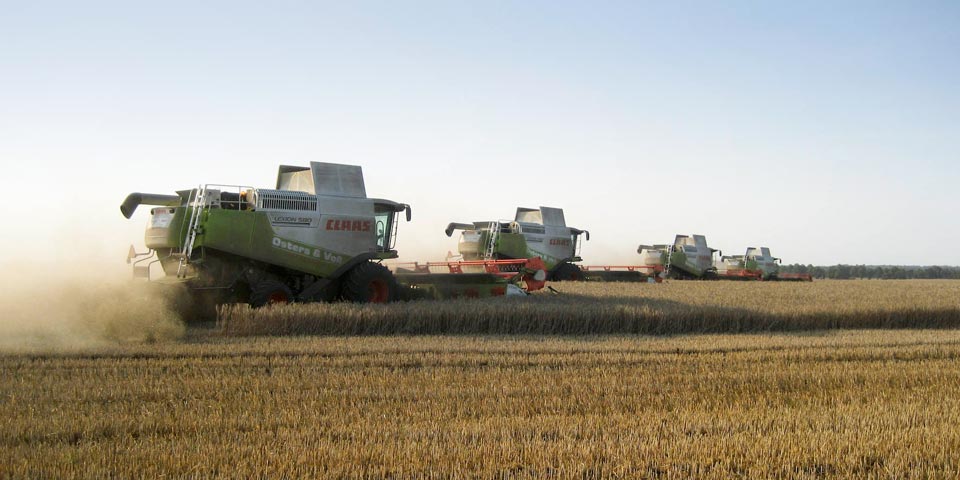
(845, 271)
(819, 272)
(933, 272)
(858, 271)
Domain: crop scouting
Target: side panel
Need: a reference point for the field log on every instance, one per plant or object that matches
(558, 242)
(228, 230)
(512, 245)
(650, 256)
(528, 245)
(471, 243)
(694, 262)
(345, 225)
(163, 229)
(696, 256)
(251, 235)
(679, 260)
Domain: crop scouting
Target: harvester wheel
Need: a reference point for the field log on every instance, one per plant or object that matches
(568, 272)
(369, 282)
(269, 292)
(677, 274)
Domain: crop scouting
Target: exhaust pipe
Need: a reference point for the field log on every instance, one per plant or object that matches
(134, 200)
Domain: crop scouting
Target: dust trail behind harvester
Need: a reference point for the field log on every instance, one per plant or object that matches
(81, 312)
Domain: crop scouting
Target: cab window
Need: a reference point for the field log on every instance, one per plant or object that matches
(383, 221)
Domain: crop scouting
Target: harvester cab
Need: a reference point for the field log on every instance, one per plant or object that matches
(316, 236)
(688, 257)
(534, 232)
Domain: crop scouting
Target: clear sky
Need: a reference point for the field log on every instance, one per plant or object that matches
(829, 131)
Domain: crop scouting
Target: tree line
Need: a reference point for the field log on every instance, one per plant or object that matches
(885, 272)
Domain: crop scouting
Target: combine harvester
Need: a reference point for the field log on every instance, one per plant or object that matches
(691, 258)
(534, 232)
(688, 257)
(540, 232)
(315, 237)
(760, 263)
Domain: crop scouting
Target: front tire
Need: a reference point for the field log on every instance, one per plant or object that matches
(269, 292)
(567, 272)
(369, 283)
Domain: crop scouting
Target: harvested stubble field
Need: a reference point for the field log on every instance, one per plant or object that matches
(604, 308)
(865, 404)
(837, 403)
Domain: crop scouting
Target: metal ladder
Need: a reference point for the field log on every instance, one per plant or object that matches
(494, 230)
(198, 201)
(666, 265)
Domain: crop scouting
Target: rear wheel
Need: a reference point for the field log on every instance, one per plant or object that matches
(369, 283)
(567, 272)
(267, 292)
(677, 274)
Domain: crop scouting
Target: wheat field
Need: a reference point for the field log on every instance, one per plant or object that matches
(636, 308)
(831, 379)
(799, 405)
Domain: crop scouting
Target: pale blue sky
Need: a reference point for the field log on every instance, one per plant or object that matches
(829, 131)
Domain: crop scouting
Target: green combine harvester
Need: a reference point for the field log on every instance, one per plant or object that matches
(688, 257)
(315, 237)
(534, 232)
(759, 262)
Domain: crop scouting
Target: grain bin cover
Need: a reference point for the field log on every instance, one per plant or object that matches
(295, 179)
(323, 179)
(700, 241)
(338, 180)
(528, 215)
(553, 217)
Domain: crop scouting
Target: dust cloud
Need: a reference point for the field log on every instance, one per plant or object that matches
(50, 311)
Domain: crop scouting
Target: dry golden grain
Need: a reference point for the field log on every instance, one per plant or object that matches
(835, 404)
(607, 308)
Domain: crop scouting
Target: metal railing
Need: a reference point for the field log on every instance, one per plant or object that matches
(202, 199)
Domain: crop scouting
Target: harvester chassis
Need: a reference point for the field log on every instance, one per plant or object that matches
(258, 283)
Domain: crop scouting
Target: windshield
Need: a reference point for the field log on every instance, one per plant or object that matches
(385, 229)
